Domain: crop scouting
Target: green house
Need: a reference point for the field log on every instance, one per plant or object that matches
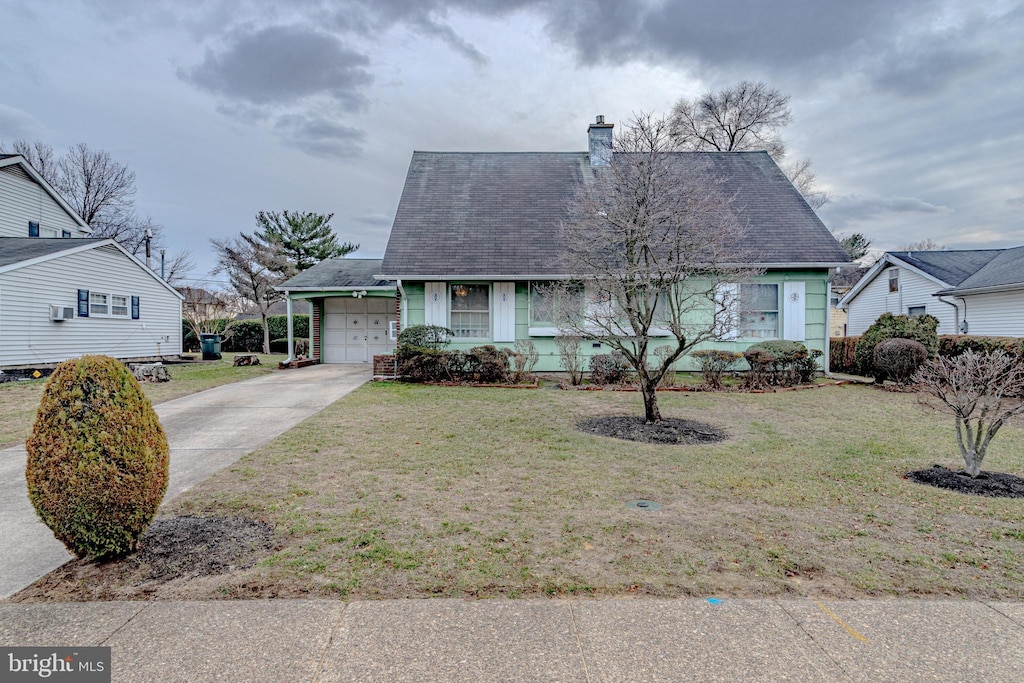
(476, 240)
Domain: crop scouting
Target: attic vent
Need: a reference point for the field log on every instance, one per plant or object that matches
(61, 313)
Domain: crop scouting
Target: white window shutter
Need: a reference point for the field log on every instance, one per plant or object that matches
(504, 311)
(727, 311)
(435, 304)
(794, 324)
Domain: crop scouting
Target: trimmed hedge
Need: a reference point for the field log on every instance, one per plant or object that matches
(951, 345)
(843, 354)
(919, 328)
(843, 350)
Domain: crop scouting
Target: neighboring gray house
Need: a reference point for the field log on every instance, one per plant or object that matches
(976, 291)
(64, 294)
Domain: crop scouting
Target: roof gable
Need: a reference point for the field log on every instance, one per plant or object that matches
(18, 160)
(466, 214)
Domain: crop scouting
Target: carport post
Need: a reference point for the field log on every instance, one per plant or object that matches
(291, 329)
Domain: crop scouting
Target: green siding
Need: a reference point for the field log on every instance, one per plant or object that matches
(815, 312)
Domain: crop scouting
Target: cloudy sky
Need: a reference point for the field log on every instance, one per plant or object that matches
(912, 112)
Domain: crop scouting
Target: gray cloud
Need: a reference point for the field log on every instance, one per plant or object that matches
(279, 64)
(17, 124)
(375, 219)
(848, 210)
(1016, 201)
(321, 136)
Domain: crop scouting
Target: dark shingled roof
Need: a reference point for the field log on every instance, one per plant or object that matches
(952, 267)
(1005, 270)
(338, 273)
(486, 214)
(16, 249)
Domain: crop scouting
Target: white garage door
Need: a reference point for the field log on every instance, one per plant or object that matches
(356, 329)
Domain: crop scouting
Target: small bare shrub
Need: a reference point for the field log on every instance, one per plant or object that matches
(609, 368)
(524, 360)
(982, 391)
(713, 363)
(569, 357)
(899, 359)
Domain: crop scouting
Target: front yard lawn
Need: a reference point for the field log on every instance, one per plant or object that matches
(19, 400)
(416, 491)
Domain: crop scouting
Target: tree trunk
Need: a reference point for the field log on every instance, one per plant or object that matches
(651, 412)
(972, 461)
(266, 334)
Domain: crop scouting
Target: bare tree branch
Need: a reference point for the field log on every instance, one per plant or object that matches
(651, 236)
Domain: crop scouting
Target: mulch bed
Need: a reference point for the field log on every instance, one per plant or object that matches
(991, 484)
(668, 431)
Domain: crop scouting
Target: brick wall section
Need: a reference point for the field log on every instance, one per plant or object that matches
(314, 330)
(384, 365)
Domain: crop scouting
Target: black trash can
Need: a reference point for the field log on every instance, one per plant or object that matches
(210, 344)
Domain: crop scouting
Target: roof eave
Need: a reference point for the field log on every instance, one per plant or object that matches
(1011, 287)
(437, 277)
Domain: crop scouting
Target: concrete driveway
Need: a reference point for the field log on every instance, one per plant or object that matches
(206, 431)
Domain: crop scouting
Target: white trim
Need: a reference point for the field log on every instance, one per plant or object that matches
(519, 277)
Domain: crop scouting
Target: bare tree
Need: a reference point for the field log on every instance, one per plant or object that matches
(177, 267)
(982, 391)
(650, 234)
(253, 268)
(746, 116)
(924, 245)
(204, 310)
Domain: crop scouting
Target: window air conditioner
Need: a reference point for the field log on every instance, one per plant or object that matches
(60, 313)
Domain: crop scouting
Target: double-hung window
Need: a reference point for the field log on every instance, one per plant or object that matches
(894, 280)
(99, 303)
(759, 311)
(118, 306)
(470, 311)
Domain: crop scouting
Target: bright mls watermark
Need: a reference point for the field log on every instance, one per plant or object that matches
(78, 664)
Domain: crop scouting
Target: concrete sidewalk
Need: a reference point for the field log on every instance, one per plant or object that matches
(206, 431)
(537, 640)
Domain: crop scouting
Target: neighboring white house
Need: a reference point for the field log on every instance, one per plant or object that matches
(978, 291)
(64, 294)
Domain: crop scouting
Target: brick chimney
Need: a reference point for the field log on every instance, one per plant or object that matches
(600, 135)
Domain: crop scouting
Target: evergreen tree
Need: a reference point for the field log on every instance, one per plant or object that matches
(305, 238)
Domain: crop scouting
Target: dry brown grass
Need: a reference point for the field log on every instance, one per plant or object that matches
(415, 491)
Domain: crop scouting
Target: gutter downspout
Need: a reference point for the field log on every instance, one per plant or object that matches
(956, 312)
(291, 330)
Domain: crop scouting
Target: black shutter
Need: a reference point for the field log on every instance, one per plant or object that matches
(135, 308)
(33, 229)
(65, 234)
(83, 303)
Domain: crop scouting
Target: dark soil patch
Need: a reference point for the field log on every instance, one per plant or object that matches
(991, 484)
(668, 431)
(202, 546)
(172, 549)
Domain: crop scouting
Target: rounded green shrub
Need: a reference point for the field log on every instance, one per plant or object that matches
(899, 358)
(920, 328)
(97, 458)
